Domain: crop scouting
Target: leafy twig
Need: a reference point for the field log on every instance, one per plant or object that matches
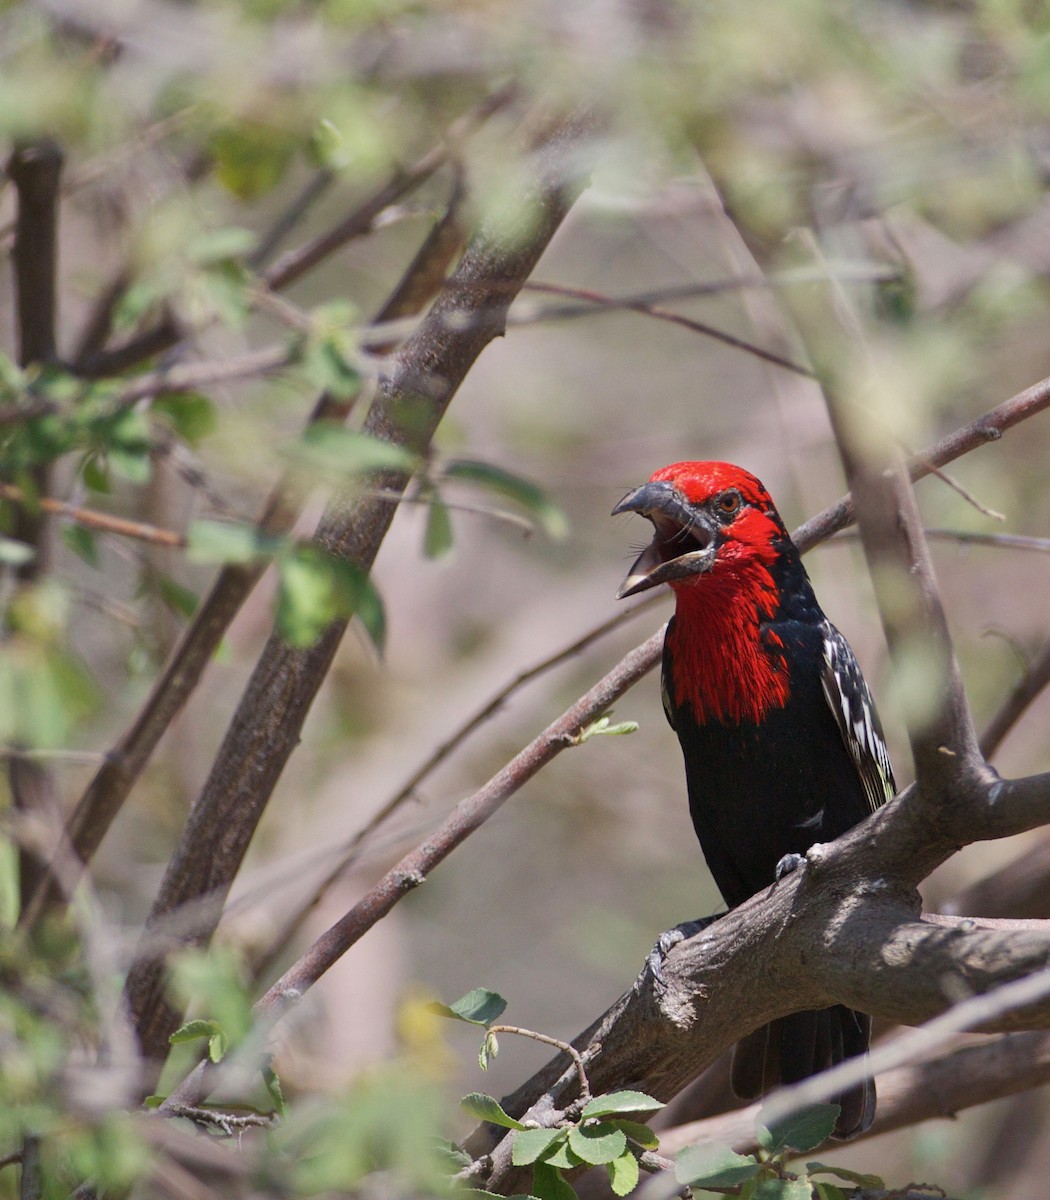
(558, 1044)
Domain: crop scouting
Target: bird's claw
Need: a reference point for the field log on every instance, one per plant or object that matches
(787, 865)
(654, 963)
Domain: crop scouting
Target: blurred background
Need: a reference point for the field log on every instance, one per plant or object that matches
(913, 137)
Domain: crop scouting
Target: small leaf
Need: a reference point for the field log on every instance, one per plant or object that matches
(82, 542)
(192, 1030)
(772, 1187)
(550, 518)
(714, 1166)
(96, 476)
(438, 537)
(548, 1184)
(637, 1132)
(620, 1102)
(273, 1087)
(306, 596)
(226, 542)
(477, 1007)
(487, 1108)
(489, 1049)
(181, 600)
(858, 1177)
(220, 245)
(340, 451)
(192, 415)
(562, 1155)
(133, 465)
(533, 1144)
(804, 1130)
(154, 1100)
(451, 1156)
(623, 1174)
(597, 1144)
(217, 1046)
(828, 1191)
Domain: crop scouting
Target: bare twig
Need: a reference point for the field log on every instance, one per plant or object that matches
(92, 519)
(293, 265)
(467, 816)
(649, 308)
(1028, 687)
(558, 1044)
(319, 183)
(351, 851)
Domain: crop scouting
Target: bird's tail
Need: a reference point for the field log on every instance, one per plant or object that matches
(803, 1044)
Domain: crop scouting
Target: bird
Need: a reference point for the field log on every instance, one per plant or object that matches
(781, 739)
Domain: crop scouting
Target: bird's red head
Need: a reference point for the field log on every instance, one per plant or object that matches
(711, 519)
(720, 543)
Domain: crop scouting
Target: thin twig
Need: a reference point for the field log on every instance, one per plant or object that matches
(967, 495)
(1005, 541)
(599, 300)
(215, 1118)
(558, 1044)
(351, 851)
(92, 519)
(1024, 692)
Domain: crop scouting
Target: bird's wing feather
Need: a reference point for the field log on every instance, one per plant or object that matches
(854, 711)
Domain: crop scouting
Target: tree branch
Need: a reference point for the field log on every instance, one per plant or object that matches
(425, 375)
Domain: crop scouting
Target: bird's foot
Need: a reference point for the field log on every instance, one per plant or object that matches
(787, 865)
(654, 963)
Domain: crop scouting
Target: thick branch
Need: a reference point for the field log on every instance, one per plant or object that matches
(845, 930)
(938, 1087)
(425, 375)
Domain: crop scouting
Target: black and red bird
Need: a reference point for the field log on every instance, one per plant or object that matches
(783, 747)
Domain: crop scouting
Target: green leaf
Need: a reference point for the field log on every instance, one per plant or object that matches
(487, 1108)
(477, 1007)
(637, 1132)
(489, 1049)
(344, 452)
(438, 537)
(804, 1130)
(96, 475)
(251, 157)
(623, 1174)
(217, 1046)
(307, 598)
(328, 362)
(193, 1030)
(82, 542)
(714, 1166)
(548, 1184)
(547, 515)
(226, 542)
(562, 1155)
(858, 1177)
(771, 1187)
(597, 1144)
(220, 245)
(181, 600)
(620, 1102)
(829, 1191)
(533, 1144)
(191, 415)
(133, 465)
(154, 1100)
(274, 1089)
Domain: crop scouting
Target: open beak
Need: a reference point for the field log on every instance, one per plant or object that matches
(683, 542)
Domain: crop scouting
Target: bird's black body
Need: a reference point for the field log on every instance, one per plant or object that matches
(781, 741)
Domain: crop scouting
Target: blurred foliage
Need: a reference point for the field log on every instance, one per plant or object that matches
(193, 135)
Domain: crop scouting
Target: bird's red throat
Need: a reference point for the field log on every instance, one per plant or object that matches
(724, 663)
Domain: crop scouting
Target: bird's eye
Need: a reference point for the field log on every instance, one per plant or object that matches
(728, 502)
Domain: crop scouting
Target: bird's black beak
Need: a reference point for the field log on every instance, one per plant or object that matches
(683, 543)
